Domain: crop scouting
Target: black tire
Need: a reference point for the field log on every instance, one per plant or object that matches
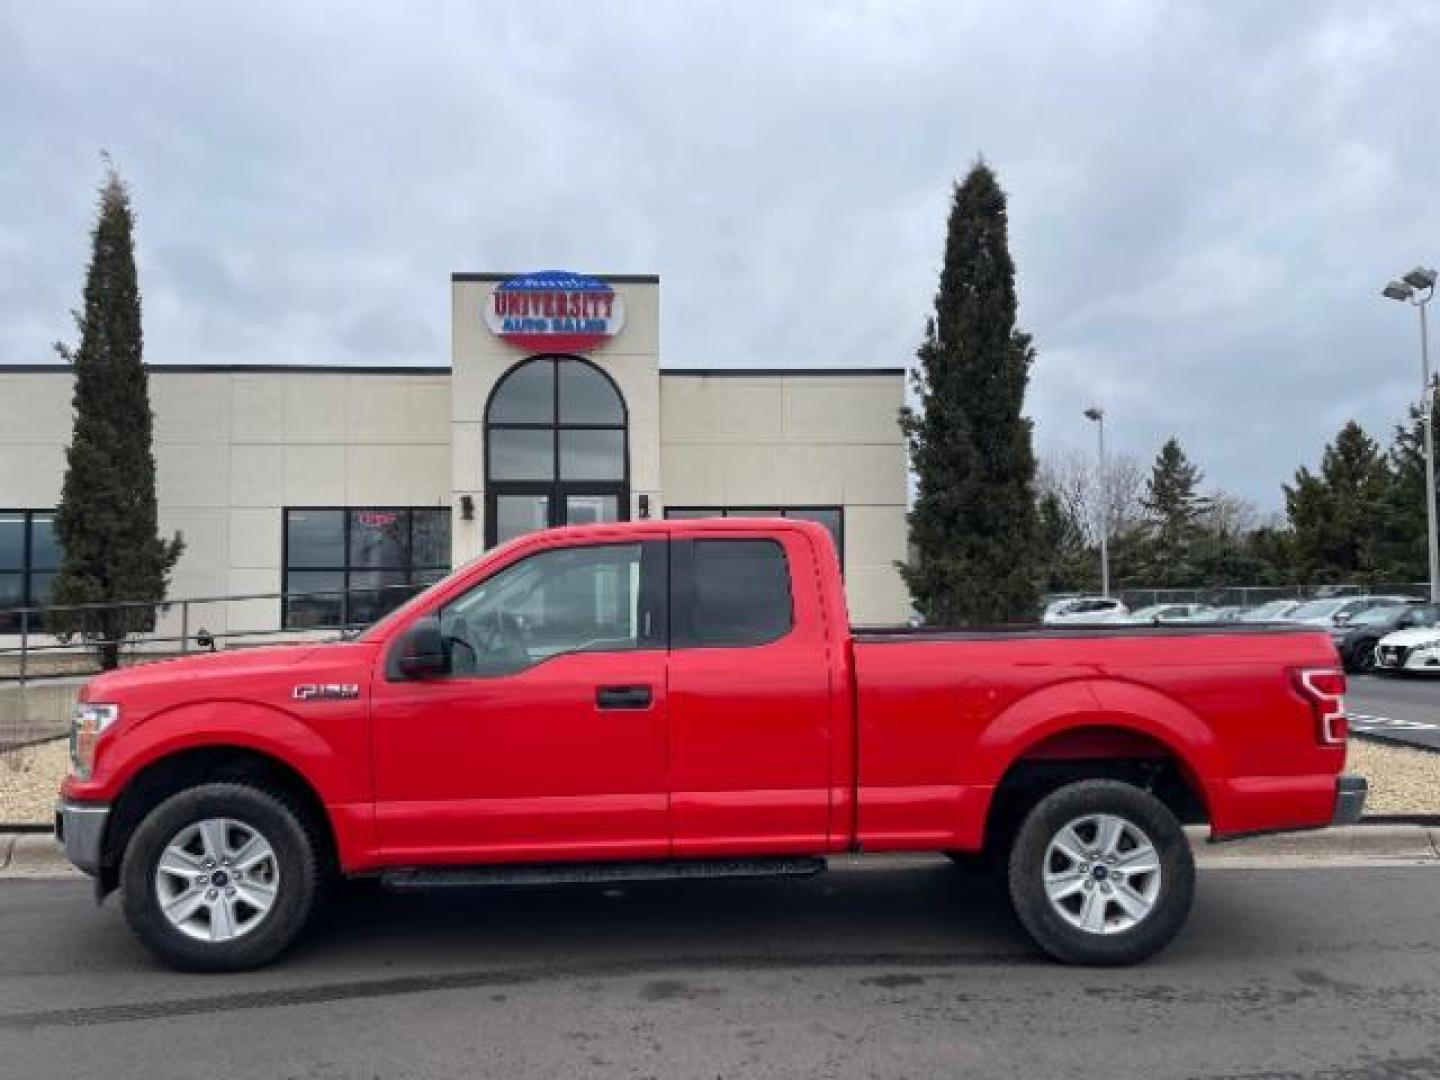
(297, 850)
(1175, 883)
(1361, 658)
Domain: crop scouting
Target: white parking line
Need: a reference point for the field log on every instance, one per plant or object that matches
(1361, 722)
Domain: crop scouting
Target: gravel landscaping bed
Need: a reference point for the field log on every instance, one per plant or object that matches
(30, 779)
(1401, 781)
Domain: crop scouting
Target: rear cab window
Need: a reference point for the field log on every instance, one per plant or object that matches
(729, 592)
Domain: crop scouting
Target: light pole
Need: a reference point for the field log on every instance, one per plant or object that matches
(1097, 414)
(1416, 288)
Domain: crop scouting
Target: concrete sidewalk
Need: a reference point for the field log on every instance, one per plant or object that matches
(35, 855)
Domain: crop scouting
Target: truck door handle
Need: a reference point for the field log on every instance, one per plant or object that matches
(622, 697)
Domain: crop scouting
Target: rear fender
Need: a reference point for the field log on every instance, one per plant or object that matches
(1095, 703)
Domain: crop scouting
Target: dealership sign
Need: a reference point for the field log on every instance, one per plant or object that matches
(554, 311)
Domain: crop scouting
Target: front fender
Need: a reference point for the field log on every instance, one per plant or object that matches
(331, 757)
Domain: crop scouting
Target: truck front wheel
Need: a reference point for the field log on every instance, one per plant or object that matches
(220, 877)
(1101, 873)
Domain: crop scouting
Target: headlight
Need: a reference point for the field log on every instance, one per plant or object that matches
(91, 718)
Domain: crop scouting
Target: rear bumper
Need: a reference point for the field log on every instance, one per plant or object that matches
(1251, 806)
(1350, 792)
(80, 832)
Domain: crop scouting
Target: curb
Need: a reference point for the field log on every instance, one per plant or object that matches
(1349, 845)
(35, 856)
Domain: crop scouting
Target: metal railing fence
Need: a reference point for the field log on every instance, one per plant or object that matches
(179, 626)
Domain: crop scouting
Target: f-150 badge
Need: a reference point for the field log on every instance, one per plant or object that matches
(332, 691)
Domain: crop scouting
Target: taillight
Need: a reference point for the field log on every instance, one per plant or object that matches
(1324, 689)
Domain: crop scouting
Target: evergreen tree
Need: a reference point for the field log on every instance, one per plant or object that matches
(1173, 506)
(973, 527)
(1337, 515)
(1067, 561)
(106, 520)
(1401, 544)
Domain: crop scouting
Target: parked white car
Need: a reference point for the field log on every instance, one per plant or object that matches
(1167, 613)
(1271, 611)
(1076, 610)
(1416, 649)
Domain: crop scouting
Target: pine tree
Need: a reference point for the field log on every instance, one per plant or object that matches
(107, 519)
(1066, 559)
(1173, 506)
(1336, 515)
(973, 527)
(1401, 546)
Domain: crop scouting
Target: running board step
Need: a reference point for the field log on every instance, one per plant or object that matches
(589, 873)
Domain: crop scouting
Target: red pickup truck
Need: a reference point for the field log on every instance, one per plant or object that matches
(684, 699)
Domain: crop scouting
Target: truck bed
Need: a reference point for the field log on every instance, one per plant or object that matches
(943, 713)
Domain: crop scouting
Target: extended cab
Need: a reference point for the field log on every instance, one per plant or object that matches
(681, 698)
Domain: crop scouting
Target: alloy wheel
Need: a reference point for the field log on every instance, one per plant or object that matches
(217, 879)
(1102, 874)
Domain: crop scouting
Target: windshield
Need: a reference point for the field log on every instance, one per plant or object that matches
(1375, 615)
(1317, 609)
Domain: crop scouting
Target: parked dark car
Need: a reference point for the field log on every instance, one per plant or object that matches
(1356, 640)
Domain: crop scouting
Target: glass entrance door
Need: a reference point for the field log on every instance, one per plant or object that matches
(514, 510)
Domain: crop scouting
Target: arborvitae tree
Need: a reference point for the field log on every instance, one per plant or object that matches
(1336, 516)
(973, 527)
(1173, 505)
(106, 520)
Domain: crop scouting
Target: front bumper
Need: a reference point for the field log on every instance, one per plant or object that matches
(1403, 658)
(1350, 791)
(80, 832)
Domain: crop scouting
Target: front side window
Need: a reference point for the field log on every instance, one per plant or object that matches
(577, 599)
(730, 593)
(347, 567)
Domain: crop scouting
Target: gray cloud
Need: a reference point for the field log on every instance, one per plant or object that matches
(1205, 198)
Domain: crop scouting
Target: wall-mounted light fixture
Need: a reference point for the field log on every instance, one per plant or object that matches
(467, 508)
(644, 507)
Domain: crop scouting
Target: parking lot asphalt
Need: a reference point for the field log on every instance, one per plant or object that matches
(1402, 709)
(1282, 975)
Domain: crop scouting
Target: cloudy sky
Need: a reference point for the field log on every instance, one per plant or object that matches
(1205, 198)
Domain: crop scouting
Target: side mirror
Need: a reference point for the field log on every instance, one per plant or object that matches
(420, 652)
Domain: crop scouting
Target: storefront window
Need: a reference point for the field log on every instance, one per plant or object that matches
(832, 517)
(29, 557)
(347, 567)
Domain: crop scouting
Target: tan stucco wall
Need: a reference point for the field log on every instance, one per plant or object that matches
(232, 448)
(793, 439)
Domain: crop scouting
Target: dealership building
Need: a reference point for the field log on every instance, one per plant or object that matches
(351, 485)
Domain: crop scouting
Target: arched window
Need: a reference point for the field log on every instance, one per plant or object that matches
(555, 448)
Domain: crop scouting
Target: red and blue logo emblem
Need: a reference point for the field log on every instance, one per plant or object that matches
(554, 311)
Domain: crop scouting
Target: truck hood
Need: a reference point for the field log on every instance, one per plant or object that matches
(143, 679)
(1409, 639)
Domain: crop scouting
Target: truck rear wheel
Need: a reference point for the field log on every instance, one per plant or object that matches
(1101, 873)
(220, 877)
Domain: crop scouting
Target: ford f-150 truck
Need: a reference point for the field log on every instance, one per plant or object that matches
(683, 699)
